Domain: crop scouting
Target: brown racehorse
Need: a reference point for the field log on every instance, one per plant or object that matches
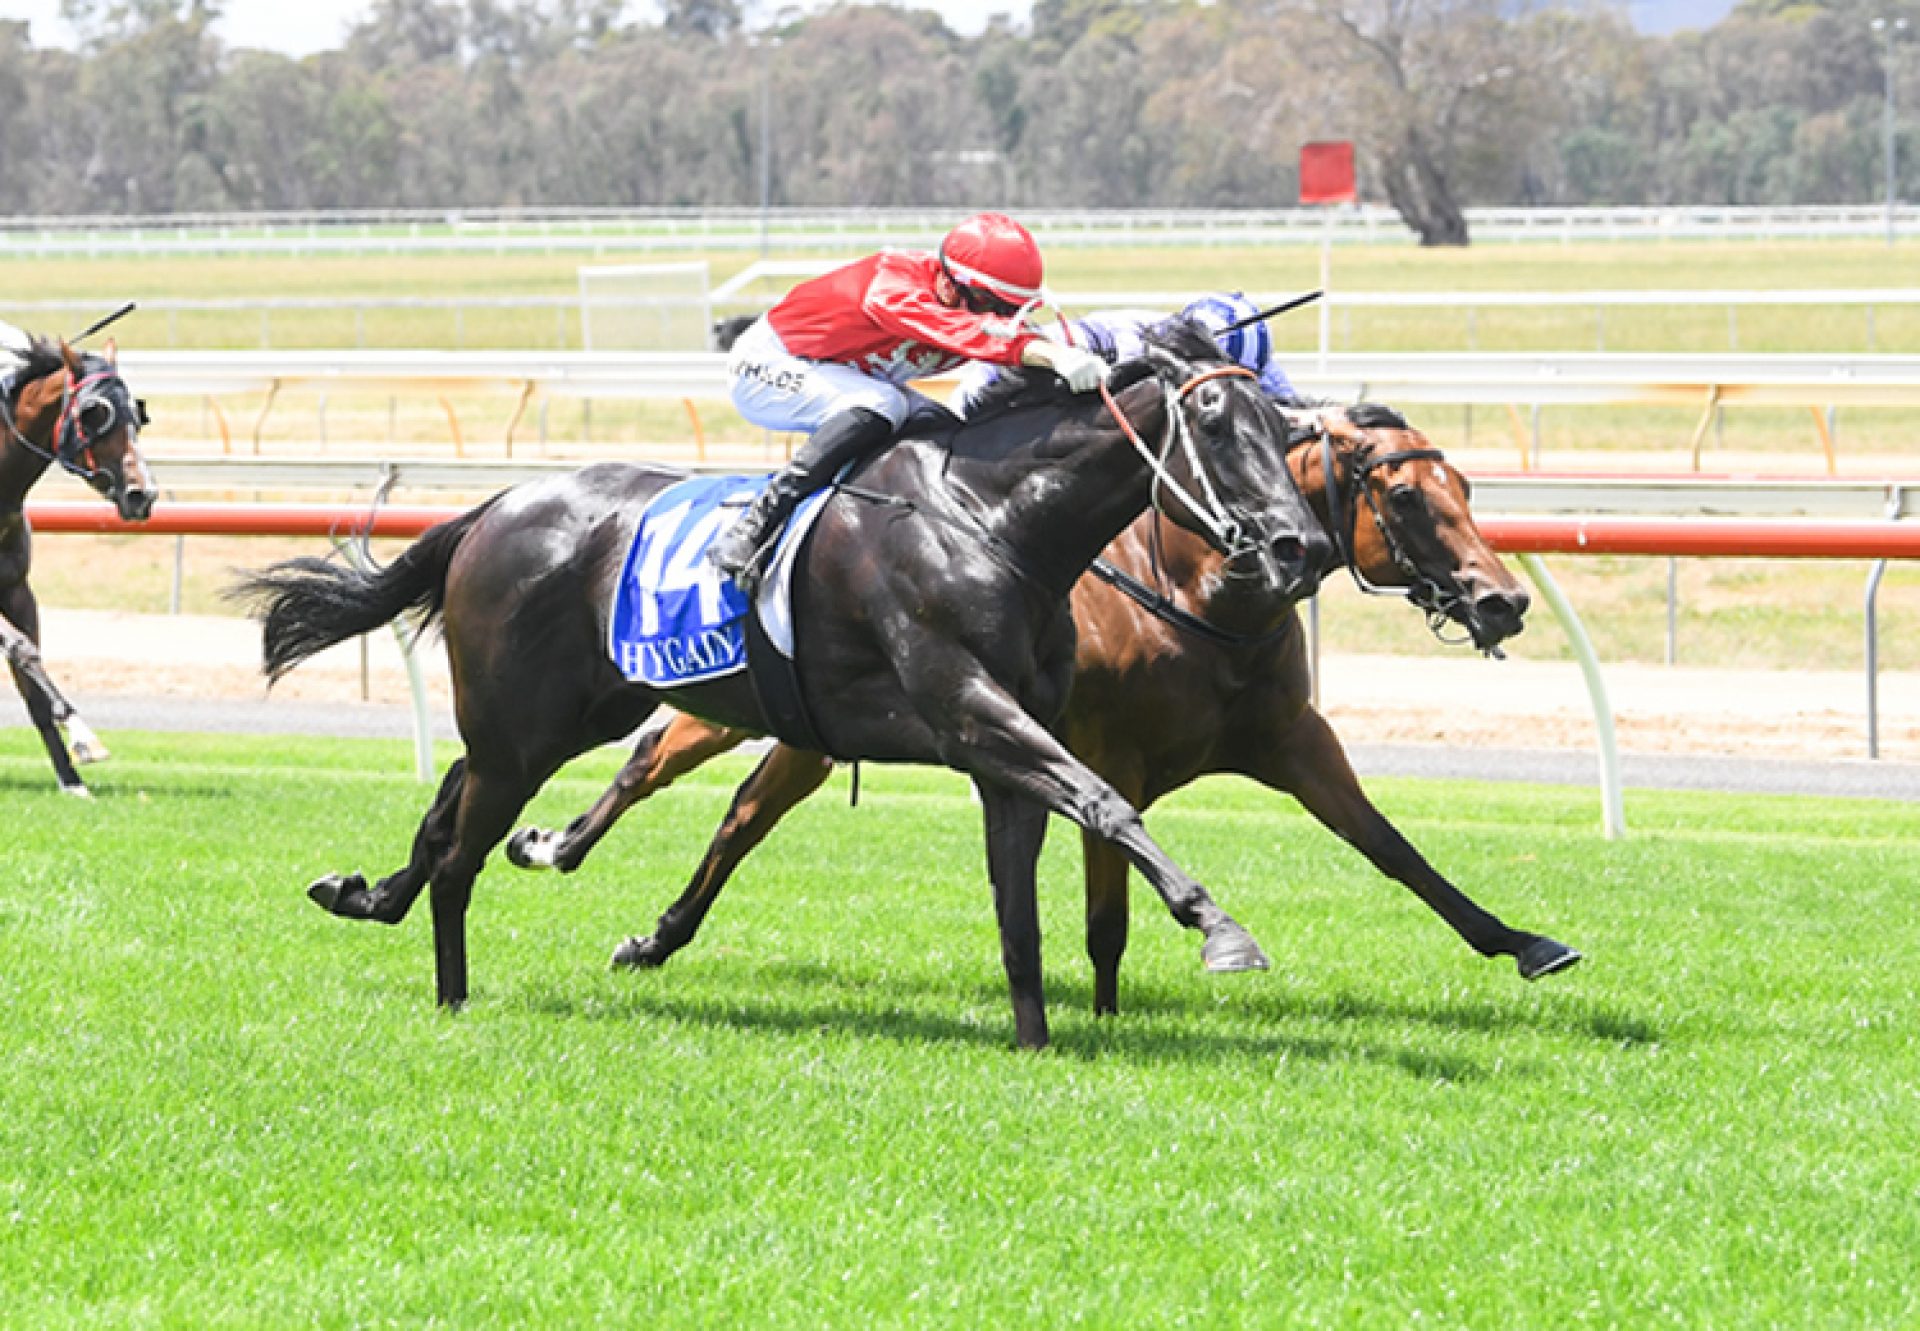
(932, 626)
(1215, 681)
(72, 408)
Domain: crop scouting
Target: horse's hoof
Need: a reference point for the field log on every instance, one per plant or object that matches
(1544, 956)
(336, 892)
(82, 743)
(531, 848)
(77, 791)
(640, 954)
(1231, 948)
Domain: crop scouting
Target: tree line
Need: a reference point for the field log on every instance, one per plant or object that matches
(1094, 103)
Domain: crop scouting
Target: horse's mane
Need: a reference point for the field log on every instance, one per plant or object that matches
(39, 358)
(1189, 341)
(1023, 386)
(1376, 416)
(1178, 337)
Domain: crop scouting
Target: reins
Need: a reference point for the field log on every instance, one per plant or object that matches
(1162, 607)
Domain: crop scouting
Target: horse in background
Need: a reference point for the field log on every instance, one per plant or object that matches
(59, 405)
(1180, 672)
(725, 332)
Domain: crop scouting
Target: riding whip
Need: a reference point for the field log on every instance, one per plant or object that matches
(98, 324)
(1281, 308)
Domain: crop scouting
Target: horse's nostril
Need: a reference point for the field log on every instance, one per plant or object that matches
(1502, 607)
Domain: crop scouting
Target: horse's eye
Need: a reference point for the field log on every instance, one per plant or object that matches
(1404, 498)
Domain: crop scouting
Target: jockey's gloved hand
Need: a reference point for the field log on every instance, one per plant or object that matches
(1082, 369)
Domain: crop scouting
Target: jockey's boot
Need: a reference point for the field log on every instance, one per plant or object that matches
(741, 550)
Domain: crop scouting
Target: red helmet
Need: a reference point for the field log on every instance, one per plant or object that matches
(991, 256)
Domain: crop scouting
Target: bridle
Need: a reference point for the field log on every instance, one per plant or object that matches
(1229, 537)
(73, 437)
(1438, 602)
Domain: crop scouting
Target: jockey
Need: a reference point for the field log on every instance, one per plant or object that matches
(1117, 335)
(834, 356)
(14, 346)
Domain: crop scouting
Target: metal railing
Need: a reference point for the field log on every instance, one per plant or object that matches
(1822, 384)
(555, 320)
(600, 230)
(1527, 538)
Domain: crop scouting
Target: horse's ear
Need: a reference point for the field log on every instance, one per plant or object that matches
(1130, 372)
(70, 356)
(112, 352)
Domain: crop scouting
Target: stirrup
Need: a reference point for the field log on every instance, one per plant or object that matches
(749, 578)
(748, 573)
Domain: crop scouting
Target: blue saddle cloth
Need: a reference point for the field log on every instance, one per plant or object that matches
(676, 618)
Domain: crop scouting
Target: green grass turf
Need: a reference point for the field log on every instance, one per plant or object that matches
(221, 1108)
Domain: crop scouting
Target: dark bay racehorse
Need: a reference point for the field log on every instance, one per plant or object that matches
(72, 408)
(932, 625)
(1180, 673)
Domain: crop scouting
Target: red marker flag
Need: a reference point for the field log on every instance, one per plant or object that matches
(1326, 173)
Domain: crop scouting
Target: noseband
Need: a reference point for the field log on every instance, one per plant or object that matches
(1423, 590)
(1229, 537)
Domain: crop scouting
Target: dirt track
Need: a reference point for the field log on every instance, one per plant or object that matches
(1454, 701)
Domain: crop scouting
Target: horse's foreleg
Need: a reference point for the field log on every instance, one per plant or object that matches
(665, 751)
(1310, 764)
(46, 706)
(1106, 877)
(784, 778)
(348, 896)
(1016, 829)
(1001, 743)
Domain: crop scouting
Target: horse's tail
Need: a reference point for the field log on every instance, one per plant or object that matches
(306, 605)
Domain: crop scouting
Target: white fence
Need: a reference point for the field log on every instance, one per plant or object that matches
(1494, 493)
(1707, 384)
(560, 321)
(610, 230)
(1414, 377)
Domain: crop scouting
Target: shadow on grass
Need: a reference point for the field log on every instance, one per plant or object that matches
(1568, 1015)
(112, 787)
(1199, 1042)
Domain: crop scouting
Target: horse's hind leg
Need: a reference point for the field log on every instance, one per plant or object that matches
(489, 802)
(666, 750)
(46, 707)
(348, 896)
(1308, 763)
(783, 779)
